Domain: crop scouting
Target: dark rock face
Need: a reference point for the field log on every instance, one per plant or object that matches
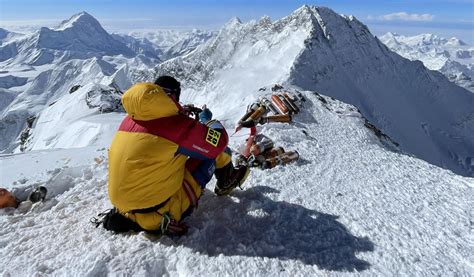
(74, 88)
(25, 135)
(107, 100)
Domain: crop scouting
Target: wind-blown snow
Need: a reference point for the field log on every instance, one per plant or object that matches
(239, 60)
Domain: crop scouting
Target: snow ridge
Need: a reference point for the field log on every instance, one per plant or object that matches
(403, 99)
(316, 48)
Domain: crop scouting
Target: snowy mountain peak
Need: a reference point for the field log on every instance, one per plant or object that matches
(233, 22)
(265, 20)
(455, 42)
(80, 37)
(429, 39)
(316, 48)
(303, 13)
(452, 57)
(389, 36)
(305, 9)
(80, 19)
(83, 34)
(6, 35)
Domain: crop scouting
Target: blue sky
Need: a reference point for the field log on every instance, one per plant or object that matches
(442, 17)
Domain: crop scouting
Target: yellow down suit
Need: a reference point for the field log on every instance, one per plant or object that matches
(160, 159)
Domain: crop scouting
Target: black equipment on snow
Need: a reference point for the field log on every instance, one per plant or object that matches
(115, 221)
(39, 194)
(230, 177)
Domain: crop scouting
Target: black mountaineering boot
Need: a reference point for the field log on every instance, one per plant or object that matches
(39, 194)
(230, 177)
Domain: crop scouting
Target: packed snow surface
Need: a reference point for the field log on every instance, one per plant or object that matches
(349, 205)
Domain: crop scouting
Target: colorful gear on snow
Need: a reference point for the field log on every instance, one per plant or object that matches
(7, 200)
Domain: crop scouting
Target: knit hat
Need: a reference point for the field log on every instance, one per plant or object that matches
(170, 85)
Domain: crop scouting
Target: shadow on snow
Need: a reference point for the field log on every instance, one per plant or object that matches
(251, 224)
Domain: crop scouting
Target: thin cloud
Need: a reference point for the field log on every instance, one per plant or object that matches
(403, 16)
(470, 21)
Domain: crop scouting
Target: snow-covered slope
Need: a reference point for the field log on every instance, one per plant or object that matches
(452, 57)
(9, 81)
(6, 97)
(140, 46)
(6, 36)
(348, 205)
(315, 48)
(44, 90)
(71, 122)
(240, 59)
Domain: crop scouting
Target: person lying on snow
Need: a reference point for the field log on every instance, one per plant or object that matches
(22, 204)
(161, 159)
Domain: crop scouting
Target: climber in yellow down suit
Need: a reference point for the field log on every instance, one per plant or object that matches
(161, 159)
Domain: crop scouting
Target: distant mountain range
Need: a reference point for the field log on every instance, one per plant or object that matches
(452, 57)
(39, 68)
(83, 37)
(313, 48)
